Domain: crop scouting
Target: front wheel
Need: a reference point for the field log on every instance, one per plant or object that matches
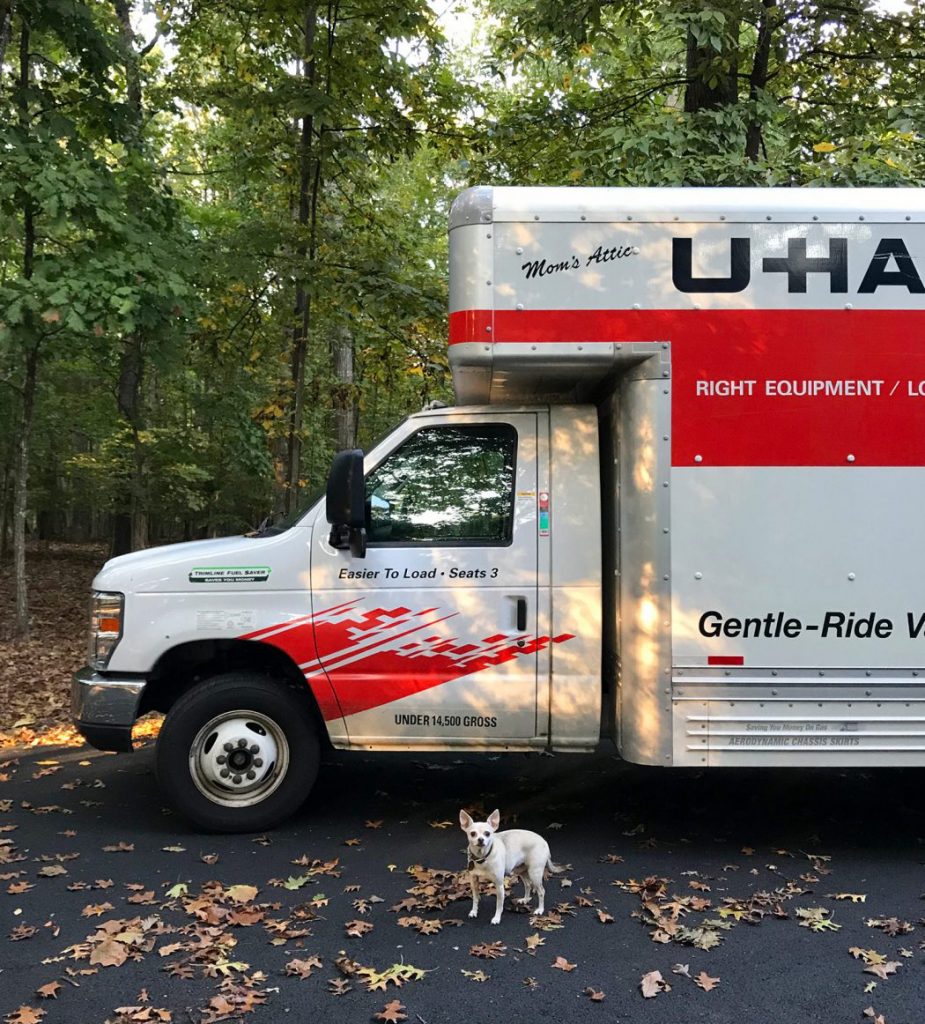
(238, 753)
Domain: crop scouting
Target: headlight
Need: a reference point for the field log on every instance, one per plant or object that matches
(105, 626)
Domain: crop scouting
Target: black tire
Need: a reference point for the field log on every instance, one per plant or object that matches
(186, 785)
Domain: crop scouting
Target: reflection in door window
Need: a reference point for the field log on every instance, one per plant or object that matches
(445, 484)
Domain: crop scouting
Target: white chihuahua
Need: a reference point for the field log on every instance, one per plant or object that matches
(494, 854)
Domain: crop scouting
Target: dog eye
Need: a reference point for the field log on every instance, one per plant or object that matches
(473, 834)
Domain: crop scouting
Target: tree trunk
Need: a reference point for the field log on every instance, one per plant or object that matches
(345, 406)
(758, 79)
(6, 28)
(309, 183)
(132, 369)
(21, 471)
(700, 94)
(21, 493)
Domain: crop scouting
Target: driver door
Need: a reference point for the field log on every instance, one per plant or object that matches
(431, 639)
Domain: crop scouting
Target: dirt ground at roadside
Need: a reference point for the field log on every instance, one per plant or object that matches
(35, 672)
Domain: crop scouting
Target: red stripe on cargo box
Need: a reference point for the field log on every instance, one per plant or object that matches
(725, 659)
(873, 414)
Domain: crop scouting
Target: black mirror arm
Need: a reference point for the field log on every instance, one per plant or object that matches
(348, 538)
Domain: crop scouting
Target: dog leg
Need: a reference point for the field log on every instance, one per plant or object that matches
(528, 891)
(536, 878)
(474, 885)
(499, 906)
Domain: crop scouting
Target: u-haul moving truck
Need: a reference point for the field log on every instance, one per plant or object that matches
(678, 503)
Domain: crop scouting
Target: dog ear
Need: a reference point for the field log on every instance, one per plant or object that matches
(464, 821)
(494, 819)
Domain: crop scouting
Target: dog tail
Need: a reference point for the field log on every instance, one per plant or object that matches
(553, 868)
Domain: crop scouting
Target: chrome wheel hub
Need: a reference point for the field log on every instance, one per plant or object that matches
(239, 758)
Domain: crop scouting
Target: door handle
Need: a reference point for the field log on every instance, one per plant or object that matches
(521, 614)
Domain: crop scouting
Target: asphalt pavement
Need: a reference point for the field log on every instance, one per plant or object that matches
(793, 865)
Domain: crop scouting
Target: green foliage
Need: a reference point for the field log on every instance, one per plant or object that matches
(164, 184)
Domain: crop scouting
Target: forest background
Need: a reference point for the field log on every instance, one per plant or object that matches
(223, 222)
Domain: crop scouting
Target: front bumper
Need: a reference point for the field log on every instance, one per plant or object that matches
(104, 707)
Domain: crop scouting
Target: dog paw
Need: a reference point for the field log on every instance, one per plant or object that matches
(473, 913)
(496, 920)
(524, 900)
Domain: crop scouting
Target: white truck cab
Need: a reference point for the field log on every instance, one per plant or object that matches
(675, 506)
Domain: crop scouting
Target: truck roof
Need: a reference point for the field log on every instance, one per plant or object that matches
(487, 204)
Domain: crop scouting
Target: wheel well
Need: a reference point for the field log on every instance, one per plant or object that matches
(182, 667)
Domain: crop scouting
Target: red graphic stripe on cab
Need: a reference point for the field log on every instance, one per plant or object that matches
(355, 659)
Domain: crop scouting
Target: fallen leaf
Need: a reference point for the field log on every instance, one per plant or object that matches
(120, 847)
(604, 917)
(374, 824)
(653, 983)
(562, 964)
(25, 1015)
(303, 968)
(594, 994)
(476, 975)
(855, 897)
(49, 991)
(488, 950)
(872, 1014)
(109, 953)
(392, 1012)
(357, 929)
(339, 986)
(704, 981)
(816, 919)
(883, 971)
(209, 858)
(51, 870)
(96, 909)
(242, 893)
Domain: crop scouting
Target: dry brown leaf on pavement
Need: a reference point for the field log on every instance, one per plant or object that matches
(242, 893)
(653, 983)
(562, 964)
(25, 1015)
(120, 847)
(357, 929)
(476, 975)
(392, 1012)
(49, 991)
(594, 994)
(109, 953)
(488, 950)
(704, 981)
(96, 909)
(871, 1014)
(339, 986)
(51, 870)
(883, 971)
(303, 968)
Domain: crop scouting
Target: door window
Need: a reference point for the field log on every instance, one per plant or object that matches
(445, 485)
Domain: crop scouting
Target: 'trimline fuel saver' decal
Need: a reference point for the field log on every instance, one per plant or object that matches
(356, 659)
(229, 574)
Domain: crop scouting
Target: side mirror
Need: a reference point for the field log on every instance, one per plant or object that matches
(345, 503)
